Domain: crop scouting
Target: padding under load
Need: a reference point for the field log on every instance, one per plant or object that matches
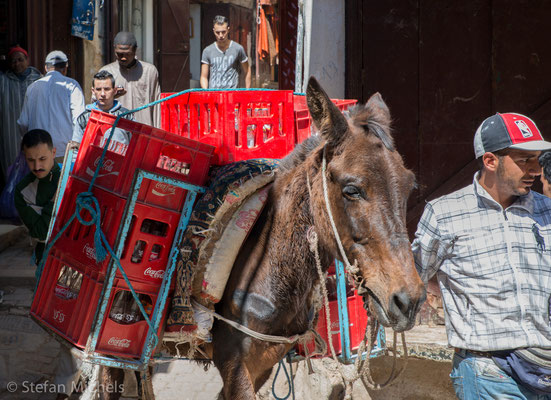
(219, 224)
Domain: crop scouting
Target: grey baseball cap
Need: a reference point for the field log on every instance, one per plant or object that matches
(56, 57)
(508, 130)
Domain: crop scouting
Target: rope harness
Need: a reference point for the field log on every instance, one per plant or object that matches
(361, 367)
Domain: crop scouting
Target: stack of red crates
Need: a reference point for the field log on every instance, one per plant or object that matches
(242, 124)
(71, 283)
(264, 124)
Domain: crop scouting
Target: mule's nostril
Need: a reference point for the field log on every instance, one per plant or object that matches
(401, 303)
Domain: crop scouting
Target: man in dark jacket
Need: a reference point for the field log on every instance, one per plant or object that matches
(103, 89)
(34, 194)
(13, 86)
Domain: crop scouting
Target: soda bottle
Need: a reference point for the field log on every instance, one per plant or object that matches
(133, 313)
(155, 251)
(61, 288)
(137, 254)
(117, 311)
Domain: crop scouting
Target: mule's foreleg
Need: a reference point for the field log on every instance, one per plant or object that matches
(237, 381)
(111, 383)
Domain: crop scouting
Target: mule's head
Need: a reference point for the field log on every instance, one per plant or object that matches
(367, 187)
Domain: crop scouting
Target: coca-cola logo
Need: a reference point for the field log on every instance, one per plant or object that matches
(107, 164)
(89, 251)
(119, 342)
(59, 316)
(163, 189)
(153, 273)
(64, 293)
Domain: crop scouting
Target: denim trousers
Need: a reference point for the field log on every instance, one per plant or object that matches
(479, 378)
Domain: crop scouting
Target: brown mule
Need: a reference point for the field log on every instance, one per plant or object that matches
(271, 287)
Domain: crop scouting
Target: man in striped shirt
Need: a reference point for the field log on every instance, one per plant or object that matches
(489, 245)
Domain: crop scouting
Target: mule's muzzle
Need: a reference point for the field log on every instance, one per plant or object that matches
(403, 307)
(401, 310)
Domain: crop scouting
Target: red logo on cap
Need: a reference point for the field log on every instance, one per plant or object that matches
(521, 129)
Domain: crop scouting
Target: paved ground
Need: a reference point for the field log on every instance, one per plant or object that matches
(28, 355)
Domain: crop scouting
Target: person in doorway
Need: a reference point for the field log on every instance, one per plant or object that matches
(137, 81)
(223, 60)
(53, 102)
(488, 245)
(103, 89)
(13, 86)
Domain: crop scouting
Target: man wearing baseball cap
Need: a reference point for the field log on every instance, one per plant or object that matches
(489, 244)
(53, 102)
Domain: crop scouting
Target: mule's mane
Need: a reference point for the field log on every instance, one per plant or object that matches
(299, 154)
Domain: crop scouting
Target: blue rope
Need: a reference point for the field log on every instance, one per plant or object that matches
(87, 201)
(290, 383)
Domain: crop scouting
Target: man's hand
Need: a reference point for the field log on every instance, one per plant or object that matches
(120, 91)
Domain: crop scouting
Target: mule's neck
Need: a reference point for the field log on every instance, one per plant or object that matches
(292, 213)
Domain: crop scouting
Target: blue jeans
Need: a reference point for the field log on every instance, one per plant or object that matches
(479, 378)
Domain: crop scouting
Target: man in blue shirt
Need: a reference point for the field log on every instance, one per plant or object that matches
(103, 89)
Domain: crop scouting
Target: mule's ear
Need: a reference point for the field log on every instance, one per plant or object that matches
(378, 106)
(327, 117)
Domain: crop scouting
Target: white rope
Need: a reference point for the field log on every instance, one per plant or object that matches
(361, 367)
(353, 269)
(93, 388)
(257, 335)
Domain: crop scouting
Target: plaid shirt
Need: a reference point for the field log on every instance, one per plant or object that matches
(493, 267)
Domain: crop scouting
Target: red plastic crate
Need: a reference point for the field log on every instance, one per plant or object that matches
(147, 247)
(303, 121)
(68, 313)
(150, 149)
(78, 240)
(241, 124)
(357, 319)
(127, 339)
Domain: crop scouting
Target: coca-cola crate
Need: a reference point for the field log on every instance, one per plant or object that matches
(241, 124)
(303, 121)
(124, 329)
(148, 245)
(67, 294)
(148, 241)
(150, 149)
(77, 239)
(357, 320)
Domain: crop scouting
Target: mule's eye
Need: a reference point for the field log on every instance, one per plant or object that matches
(351, 192)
